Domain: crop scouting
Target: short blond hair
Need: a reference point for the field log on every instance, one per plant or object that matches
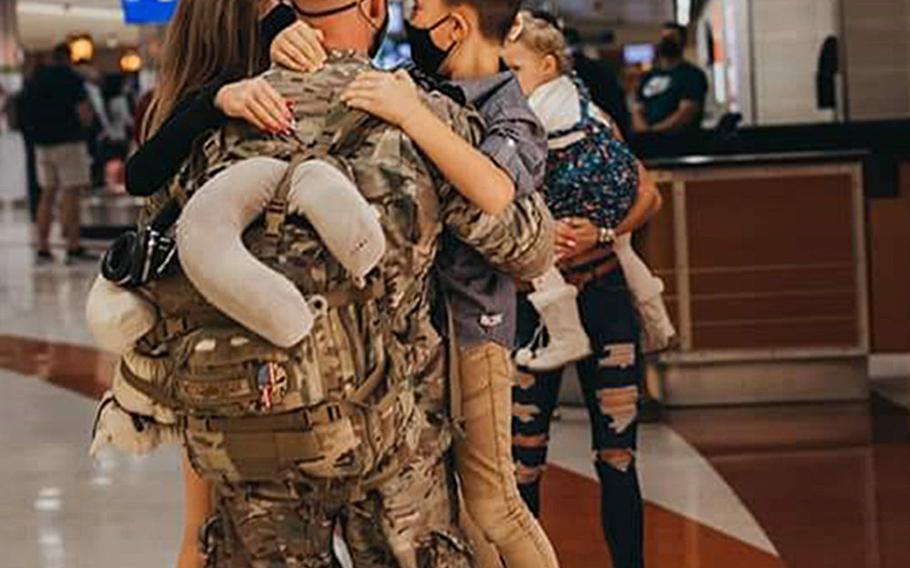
(542, 37)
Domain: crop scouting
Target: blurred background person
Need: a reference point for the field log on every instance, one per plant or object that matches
(671, 96)
(116, 137)
(101, 124)
(115, 140)
(58, 112)
(601, 79)
(20, 121)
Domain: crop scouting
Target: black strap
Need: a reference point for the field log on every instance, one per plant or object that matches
(431, 83)
(324, 13)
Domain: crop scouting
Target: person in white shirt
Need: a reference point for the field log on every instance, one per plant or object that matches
(119, 117)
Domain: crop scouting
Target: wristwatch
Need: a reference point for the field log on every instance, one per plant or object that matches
(606, 236)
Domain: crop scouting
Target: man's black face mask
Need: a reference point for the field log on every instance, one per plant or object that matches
(669, 48)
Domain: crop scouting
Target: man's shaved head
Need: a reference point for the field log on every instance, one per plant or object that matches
(347, 24)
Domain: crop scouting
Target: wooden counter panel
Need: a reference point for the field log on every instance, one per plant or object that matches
(655, 241)
(720, 309)
(773, 262)
(669, 278)
(889, 269)
(775, 335)
(771, 280)
(771, 257)
(770, 221)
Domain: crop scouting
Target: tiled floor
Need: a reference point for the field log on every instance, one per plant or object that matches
(822, 486)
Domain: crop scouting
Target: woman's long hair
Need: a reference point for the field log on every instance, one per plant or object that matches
(207, 40)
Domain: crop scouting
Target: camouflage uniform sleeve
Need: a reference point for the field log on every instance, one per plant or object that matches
(519, 241)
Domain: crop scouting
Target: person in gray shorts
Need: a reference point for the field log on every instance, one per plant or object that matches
(57, 106)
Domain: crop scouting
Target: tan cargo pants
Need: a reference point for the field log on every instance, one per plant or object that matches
(485, 466)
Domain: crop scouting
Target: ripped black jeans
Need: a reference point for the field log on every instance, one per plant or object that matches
(611, 380)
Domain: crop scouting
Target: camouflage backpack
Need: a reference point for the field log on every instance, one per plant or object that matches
(329, 407)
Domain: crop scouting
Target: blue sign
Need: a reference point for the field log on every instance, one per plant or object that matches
(148, 11)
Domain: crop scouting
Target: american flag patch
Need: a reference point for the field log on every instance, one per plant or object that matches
(272, 382)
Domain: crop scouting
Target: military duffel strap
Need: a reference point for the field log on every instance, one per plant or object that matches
(276, 211)
(295, 421)
(153, 391)
(388, 429)
(172, 327)
(368, 386)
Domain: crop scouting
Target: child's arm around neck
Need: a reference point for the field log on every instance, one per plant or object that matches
(395, 99)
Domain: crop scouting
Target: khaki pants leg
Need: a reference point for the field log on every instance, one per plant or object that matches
(64, 167)
(484, 460)
(485, 553)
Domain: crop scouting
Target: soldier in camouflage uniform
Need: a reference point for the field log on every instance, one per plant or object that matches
(328, 431)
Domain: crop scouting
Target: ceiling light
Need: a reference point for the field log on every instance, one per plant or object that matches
(683, 12)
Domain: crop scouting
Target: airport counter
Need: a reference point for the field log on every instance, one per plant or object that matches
(784, 271)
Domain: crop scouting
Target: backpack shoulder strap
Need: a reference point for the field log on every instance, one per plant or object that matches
(344, 131)
(585, 117)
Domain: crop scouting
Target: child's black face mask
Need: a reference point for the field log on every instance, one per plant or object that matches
(426, 55)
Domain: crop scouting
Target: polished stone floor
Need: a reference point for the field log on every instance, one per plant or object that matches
(805, 486)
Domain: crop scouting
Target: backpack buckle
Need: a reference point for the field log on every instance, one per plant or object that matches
(274, 218)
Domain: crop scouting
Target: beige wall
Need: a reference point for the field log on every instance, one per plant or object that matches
(788, 36)
(773, 55)
(878, 58)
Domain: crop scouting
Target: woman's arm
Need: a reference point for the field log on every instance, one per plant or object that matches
(394, 98)
(577, 238)
(299, 48)
(647, 203)
(160, 157)
(198, 506)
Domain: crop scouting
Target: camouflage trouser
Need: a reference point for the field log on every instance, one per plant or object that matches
(407, 521)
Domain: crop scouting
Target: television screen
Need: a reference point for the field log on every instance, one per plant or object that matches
(148, 11)
(638, 53)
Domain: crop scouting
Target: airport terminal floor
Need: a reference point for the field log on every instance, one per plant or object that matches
(748, 487)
